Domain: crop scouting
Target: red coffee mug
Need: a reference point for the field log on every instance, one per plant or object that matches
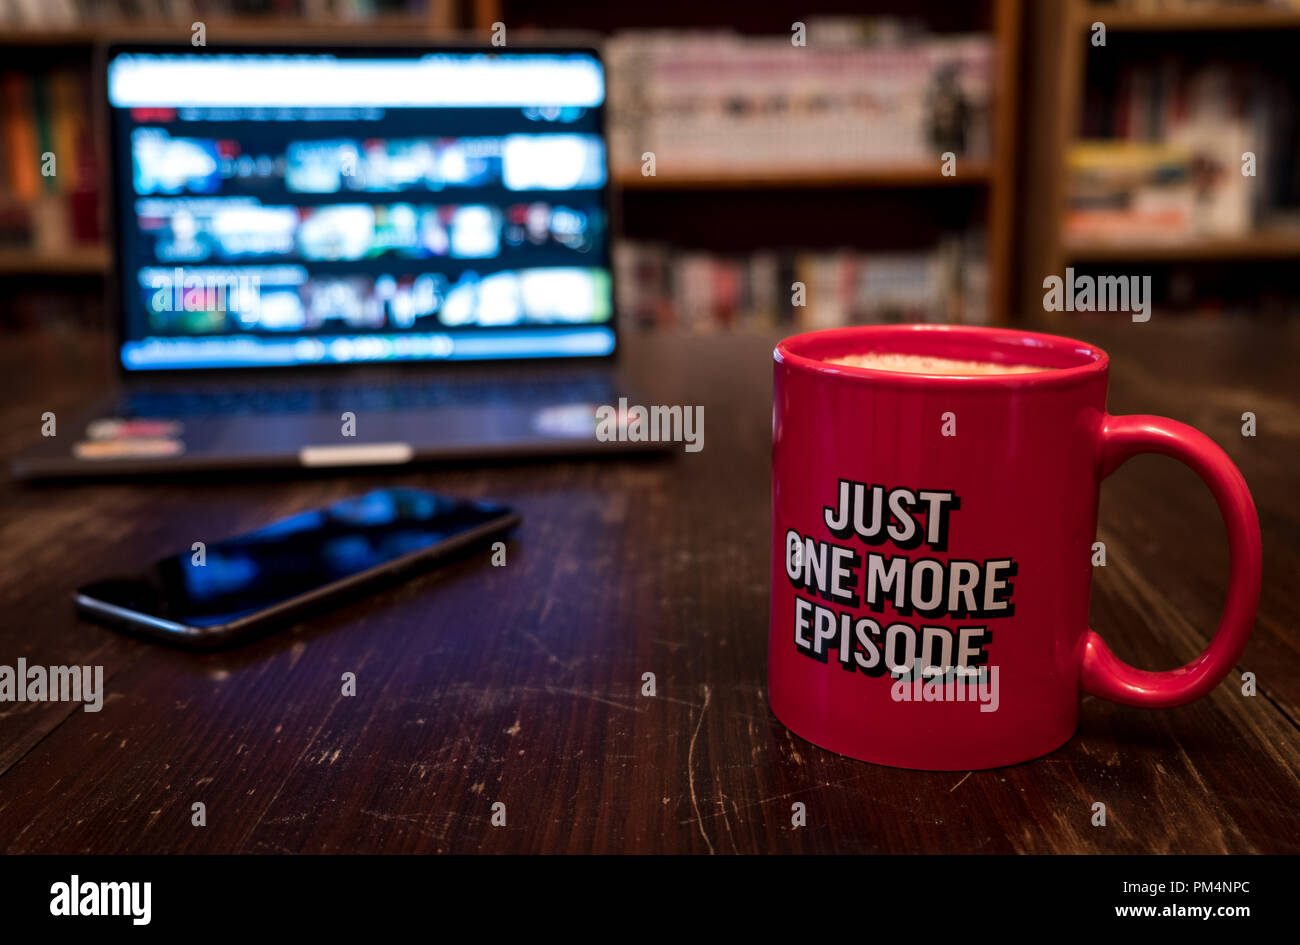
(932, 542)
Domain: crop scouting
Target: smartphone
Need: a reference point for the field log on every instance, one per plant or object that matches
(228, 590)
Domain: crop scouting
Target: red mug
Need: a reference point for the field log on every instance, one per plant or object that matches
(932, 542)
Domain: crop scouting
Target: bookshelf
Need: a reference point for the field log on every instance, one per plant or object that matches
(1061, 71)
(1228, 16)
(392, 27)
(37, 46)
(901, 175)
(91, 260)
(908, 200)
(1260, 245)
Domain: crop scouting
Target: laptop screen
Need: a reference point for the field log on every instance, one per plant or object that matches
(321, 207)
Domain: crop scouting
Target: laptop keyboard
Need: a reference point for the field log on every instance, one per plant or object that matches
(414, 395)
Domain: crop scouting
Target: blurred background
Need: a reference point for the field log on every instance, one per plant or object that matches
(795, 143)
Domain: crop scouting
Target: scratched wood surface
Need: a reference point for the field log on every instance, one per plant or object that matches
(522, 684)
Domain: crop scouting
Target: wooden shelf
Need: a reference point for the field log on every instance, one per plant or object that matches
(1057, 79)
(896, 175)
(394, 27)
(1228, 17)
(1262, 245)
(79, 260)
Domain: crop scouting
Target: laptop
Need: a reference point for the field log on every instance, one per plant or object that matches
(352, 257)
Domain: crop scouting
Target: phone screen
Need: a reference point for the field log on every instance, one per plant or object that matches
(230, 579)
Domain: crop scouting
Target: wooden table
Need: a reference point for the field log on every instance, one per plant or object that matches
(522, 685)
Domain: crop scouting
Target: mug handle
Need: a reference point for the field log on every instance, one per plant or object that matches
(1105, 674)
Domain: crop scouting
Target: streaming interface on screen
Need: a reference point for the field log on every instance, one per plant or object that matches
(320, 208)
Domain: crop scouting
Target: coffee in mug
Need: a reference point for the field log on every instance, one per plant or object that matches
(929, 364)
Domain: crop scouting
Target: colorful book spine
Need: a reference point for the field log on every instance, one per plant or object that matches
(20, 136)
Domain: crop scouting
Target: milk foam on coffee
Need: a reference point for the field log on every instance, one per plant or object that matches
(928, 364)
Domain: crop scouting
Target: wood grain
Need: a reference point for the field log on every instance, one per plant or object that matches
(522, 684)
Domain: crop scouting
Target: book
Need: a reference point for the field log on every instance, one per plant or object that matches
(717, 102)
(20, 136)
(694, 291)
(1185, 150)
